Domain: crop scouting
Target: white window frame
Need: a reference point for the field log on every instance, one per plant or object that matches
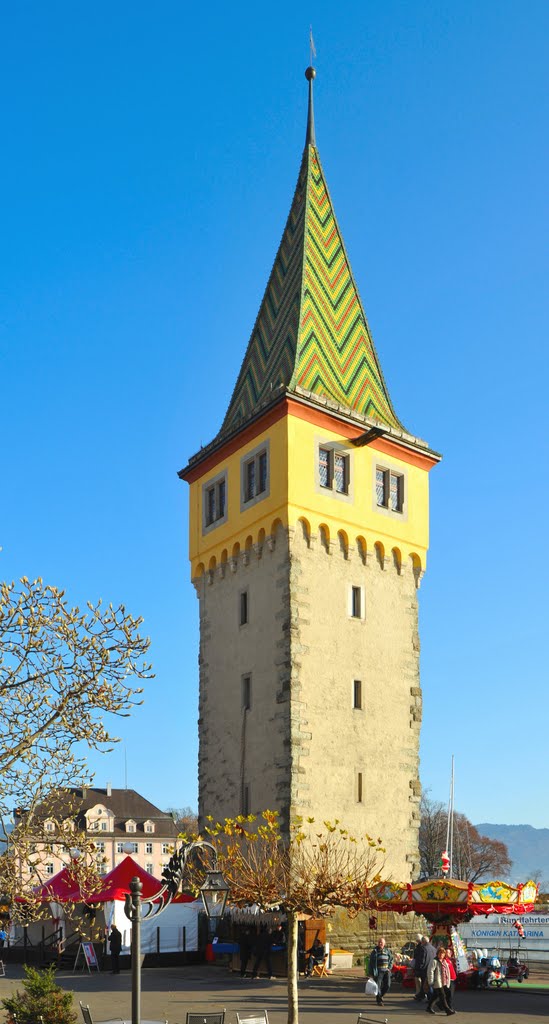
(334, 448)
(165, 848)
(384, 508)
(219, 517)
(253, 457)
(362, 600)
(150, 868)
(49, 868)
(131, 826)
(148, 849)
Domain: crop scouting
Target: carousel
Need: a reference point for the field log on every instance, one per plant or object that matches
(444, 903)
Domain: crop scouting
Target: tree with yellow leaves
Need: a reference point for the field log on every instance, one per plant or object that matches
(62, 672)
(314, 871)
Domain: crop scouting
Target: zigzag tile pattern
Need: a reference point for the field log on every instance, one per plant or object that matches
(270, 356)
(311, 329)
(335, 355)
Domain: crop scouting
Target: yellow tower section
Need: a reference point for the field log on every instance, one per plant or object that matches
(309, 528)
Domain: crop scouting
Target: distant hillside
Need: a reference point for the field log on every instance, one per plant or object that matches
(528, 849)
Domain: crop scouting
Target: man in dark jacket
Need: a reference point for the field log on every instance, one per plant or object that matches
(418, 965)
(262, 950)
(380, 967)
(430, 954)
(246, 944)
(115, 942)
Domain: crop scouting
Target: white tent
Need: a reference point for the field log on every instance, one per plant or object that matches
(175, 930)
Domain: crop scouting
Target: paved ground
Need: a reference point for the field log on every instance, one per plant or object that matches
(171, 992)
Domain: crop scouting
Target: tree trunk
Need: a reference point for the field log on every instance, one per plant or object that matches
(293, 1007)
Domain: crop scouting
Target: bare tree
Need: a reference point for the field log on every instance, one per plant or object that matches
(62, 671)
(474, 856)
(319, 869)
(185, 818)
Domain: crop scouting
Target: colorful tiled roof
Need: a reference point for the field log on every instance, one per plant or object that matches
(311, 330)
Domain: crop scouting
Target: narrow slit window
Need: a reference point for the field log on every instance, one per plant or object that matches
(359, 787)
(243, 607)
(246, 692)
(357, 693)
(356, 603)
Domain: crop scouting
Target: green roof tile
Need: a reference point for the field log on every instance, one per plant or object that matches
(311, 331)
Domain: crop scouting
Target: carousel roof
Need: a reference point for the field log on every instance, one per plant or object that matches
(452, 896)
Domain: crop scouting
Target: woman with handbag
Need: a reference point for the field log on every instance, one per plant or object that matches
(438, 977)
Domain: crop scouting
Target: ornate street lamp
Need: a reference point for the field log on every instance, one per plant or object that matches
(214, 892)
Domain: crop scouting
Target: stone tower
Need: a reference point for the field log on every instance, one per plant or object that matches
(308, 540)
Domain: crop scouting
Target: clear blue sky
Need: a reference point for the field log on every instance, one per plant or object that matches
(150, 156)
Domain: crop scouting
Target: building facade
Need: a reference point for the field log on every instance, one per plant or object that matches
(308, 540)
(119, 821)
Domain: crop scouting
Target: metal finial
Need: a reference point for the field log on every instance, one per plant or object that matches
(310, 139)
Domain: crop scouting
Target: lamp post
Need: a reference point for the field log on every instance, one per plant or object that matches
(214, 892)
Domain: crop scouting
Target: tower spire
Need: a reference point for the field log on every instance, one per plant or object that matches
(310, 139)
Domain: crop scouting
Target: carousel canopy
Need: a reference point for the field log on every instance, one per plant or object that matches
(442, 896)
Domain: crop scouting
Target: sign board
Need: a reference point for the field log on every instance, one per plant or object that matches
(497, 932)
(89, 953)
(86, 956)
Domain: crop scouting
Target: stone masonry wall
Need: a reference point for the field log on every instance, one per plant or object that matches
(332, 742)
(240, 747)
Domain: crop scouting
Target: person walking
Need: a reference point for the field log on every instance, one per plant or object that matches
(449, 993)
(430, 953)
(115, 943)
(438, 976)
(380, 967)
(418, 967)
(3, 936)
